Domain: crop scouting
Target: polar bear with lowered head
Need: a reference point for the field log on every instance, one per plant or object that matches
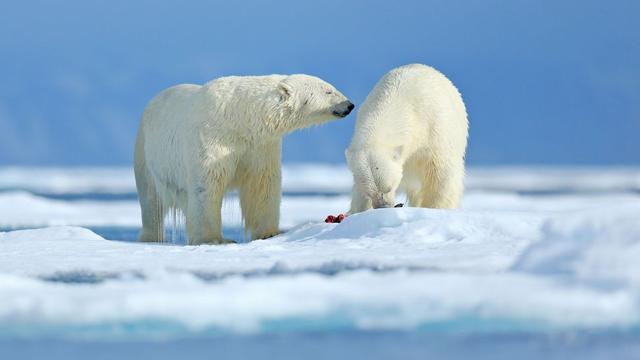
(195, 143)
(410, 134)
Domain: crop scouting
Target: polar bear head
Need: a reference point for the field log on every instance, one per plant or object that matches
(312, 100)
(377, 173)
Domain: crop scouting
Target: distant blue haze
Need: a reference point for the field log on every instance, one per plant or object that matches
(545, 82)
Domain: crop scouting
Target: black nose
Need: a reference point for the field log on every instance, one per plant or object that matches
(350, 106)
(344, 110)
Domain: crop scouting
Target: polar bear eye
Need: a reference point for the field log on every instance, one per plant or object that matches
(328, 92)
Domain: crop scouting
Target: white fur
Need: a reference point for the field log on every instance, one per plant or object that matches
(411, 134)
(195, 143)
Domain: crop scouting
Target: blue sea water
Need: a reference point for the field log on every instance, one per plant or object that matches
(342, 345)
(131, 234)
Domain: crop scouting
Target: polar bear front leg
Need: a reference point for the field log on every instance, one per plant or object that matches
(359, 201)
(260, 191)
(203, 213)
(414, 197)
(444, 186)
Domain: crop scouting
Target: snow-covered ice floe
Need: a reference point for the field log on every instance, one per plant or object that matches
(19, 209)
(116, 180)
(532, 250)
(333, 179)
(409, 269)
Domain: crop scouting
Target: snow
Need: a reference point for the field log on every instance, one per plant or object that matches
(585, 179)
(22, 209)
(601, 245)
(402, 238)
(384, 269)
(52, 180)
(67, 180)
(507, 261)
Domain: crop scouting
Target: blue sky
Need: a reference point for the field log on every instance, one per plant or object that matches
(545, 82)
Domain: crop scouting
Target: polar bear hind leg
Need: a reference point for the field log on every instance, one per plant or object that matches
(152, 210)
(444, 185)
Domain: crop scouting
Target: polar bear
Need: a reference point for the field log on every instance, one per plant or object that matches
(410, 134)
(197, 142)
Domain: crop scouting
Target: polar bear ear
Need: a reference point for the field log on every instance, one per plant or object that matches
(284, 90)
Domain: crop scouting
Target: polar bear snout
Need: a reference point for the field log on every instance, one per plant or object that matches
(381, 204)
(343, 109)
(383, 200)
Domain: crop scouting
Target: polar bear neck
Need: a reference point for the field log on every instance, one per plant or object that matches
(249, 108)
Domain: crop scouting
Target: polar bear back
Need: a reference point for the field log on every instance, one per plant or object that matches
(170, 118)
(413, 106)
(187, 120)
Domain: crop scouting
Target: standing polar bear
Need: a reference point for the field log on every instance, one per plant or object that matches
(195, 143)
(410, 134)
